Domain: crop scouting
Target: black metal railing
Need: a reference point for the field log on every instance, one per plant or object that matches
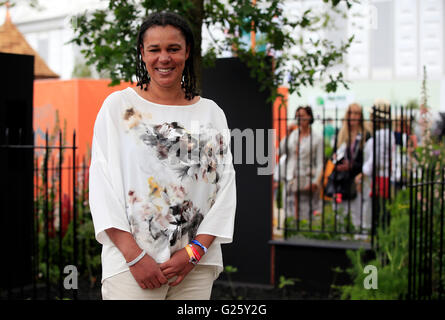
(386, 136)
(426, 233)
(58, 202)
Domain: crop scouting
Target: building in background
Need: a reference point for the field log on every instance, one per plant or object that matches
(394, 40)
(59, 102)
(12, 41)
(48, 28)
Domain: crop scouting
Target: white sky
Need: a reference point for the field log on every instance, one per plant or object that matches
(22, 12)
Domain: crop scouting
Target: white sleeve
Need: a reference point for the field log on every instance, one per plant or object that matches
(105, 192)
(220, 219)
(367, 155)
(291, 142)
(318, 159)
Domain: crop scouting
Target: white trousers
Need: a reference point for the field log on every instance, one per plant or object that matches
(197, 285)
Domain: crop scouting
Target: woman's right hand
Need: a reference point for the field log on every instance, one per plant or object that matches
(146, 271)
(148, 274)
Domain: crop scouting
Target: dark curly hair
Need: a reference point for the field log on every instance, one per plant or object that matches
(308, 110)
(188, 82)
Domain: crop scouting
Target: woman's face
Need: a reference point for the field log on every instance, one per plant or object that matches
(354, 115)
(303, 118)
(164, 54)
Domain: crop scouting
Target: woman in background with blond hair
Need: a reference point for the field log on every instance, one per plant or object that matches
(349, 159)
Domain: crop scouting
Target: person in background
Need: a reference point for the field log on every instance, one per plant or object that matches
(406, 142)
(304, 165)
(280, 171)
(349, 161)
(385, 148)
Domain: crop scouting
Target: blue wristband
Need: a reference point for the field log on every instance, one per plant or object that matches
(199, 244)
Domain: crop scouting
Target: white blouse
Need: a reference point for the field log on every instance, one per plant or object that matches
(306, 166)
(163, 173)
(386, 151)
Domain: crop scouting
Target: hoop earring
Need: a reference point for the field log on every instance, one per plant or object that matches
(183, 78)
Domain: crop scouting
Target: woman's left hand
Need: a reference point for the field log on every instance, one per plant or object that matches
(177, 265)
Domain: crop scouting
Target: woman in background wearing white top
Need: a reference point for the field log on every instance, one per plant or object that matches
(384, 144)
(162, 183)
(304, 165)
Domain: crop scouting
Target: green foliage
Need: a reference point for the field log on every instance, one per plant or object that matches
(55, 247)
(108, 38)
(431, 151)
(391, 258)
(328, 150)
(412, 104)
(49, 253)
(286, 282)
(228, 270)
(322, 229)
(392, 250)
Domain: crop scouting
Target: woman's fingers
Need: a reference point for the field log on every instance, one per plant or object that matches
(162, 278)
(168, 270)
(177, 281)
(164, 265)
(154, 280)
(170, 275)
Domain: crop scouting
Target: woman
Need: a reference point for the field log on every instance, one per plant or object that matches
(349, 160)
(162, 183)
(383, 143)
(304, 165)
(406, 143)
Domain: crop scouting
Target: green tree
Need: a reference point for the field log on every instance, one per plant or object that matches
(108, 37)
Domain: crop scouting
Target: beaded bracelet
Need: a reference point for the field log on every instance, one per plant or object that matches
(200, 244)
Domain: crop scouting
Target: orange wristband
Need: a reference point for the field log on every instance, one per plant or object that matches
(191, 255)
(189, 251)
(197, 255)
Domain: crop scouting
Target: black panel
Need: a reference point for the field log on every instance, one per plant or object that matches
(16, 183)
(314, 268)
(230, 85)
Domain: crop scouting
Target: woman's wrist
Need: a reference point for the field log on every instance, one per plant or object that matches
(125, 242)
(199, 249)
(192, 258)
(131, 251)
(137, 259)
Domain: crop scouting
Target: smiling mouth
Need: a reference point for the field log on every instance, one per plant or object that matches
(164, 70)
